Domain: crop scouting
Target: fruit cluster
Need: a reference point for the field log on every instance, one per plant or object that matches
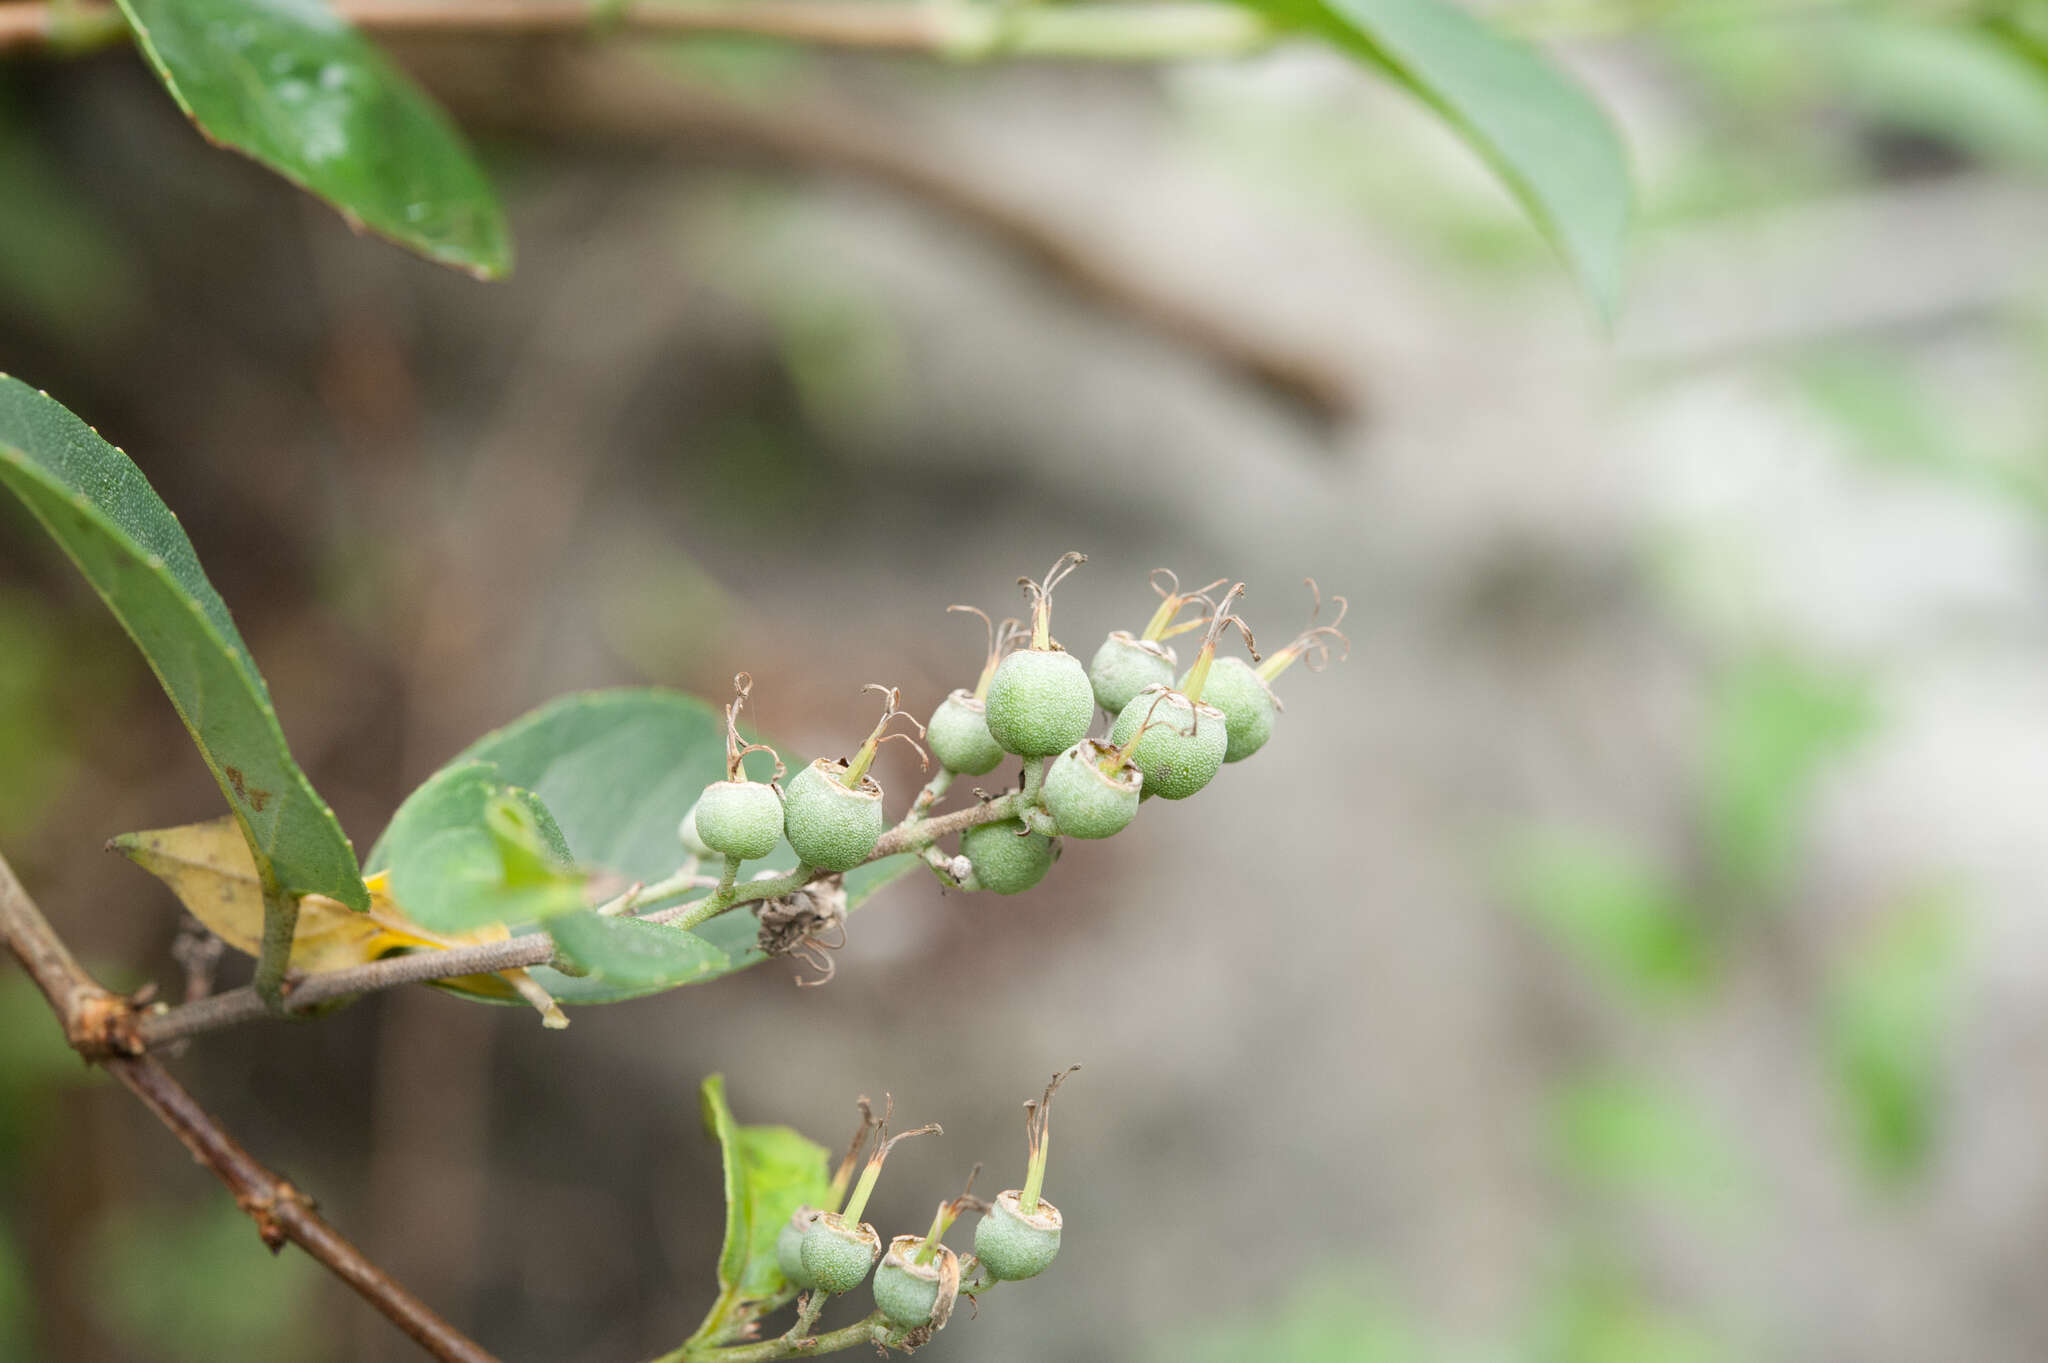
(918, 1279)
(1169, 733)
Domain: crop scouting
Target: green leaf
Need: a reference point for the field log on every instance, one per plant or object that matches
(636, 953)
(293, 85)
(98, 506)
(468, 850)
(770, 1171)
(1537, 127)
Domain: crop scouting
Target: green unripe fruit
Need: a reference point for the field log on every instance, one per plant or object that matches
(1181, 751)
(1039, 702)
(906, 1291)
(1086, 801)
(1006, 857)
(838, 1256)
(1014, 1245)
(958, 736)
(1124, 666)
(693, 842)
(739, 819)
(1236, 688)
(830, 826)
(789, 1242)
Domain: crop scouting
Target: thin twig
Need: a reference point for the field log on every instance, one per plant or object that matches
(93, 1017)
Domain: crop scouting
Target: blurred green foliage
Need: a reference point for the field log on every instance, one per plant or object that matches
(1333, 1318)
(1774, 723)
(194, 1284)
(1618, 1132)
(1891, 1004)
(1889, 412)
(1610, 906)
(1583, 1311)
(17, 1304)
(36, 750)
(35, 1064)
(1599, 1314)
(60, 266)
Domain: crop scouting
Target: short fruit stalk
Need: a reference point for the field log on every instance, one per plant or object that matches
(839, 1248)
(789, 1240)
(1125, 665)
(832, 812)
(1020, 1235)
(958, 731)
(1183, 754)
(1039, 700)
(737, 817)
(1245, 693)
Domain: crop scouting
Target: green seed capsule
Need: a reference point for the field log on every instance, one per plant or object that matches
(1039, 702)
(830, 826)
(958, 736)
(789, 1246)
(1236, 688)
(1086, 801)
(1003, 860)
(739, 819)
(838, 1256)
(907, 1292)
(1182, 751)
(1014, 1245)
(1124, 666)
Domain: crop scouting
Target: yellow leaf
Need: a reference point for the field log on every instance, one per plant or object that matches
(208, 866)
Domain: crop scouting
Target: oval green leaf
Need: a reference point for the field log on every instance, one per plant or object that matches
(1538, 127)
(98, 506)
(293, 85)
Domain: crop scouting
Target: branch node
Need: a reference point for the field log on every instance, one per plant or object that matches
(102, 1026)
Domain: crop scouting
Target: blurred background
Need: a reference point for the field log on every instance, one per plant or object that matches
(1634, 952)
